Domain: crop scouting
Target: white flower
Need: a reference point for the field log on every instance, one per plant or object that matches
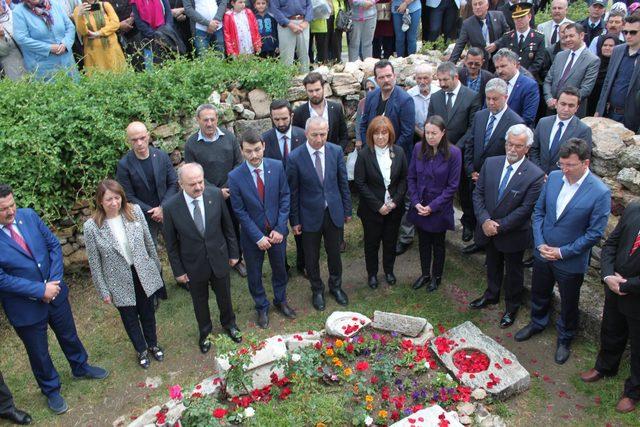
(249, 412)
(295, 357)
(368, 421)
(426, 365)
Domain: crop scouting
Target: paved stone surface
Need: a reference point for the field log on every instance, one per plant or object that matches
(505, 375)
(429, 417)
(406, 325)
(345, 324)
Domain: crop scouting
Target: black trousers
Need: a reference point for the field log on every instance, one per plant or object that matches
(322, 47)
(221, 287)
(465, 193)
(334, 41)
(332, 236)
(236, 226)
(299, 252)
(507, 268)
(140, 320)
(383, 47)
(385, 232)
(155, 228)
(6, 399)
(431, 245)
(616, 329)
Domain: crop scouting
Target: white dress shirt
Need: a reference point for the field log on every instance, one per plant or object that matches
(281, 141)
(216, 136)
(383, 157)
(512, 83)
(567, 192)
(325, 111)
(120, 233)
(14, 226)
(498, 116)
(455, 95)
(554, 129)
(514, 169)
(208, 10)
(189, 201)
(312, 154)
(253, 174)
(525, 34)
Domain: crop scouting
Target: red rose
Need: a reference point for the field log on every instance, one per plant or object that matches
(374, 380)
(219, 413)
(362, 366)
(350, 348)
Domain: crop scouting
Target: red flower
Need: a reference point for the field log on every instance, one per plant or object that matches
(441, 328)
(416, 408)
(161, 418)
(385, 393)
(284, 393)
(395, 415)
(350, 348)
(443, 420)
(362, 366)
(219, 413)
(318, 345)
(196, 395)
(374, 380)
(507, 361)
(444, 345)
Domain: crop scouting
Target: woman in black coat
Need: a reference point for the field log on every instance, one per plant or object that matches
(381, 179)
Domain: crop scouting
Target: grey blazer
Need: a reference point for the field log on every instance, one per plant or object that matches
(546, 28)
(190, 11)
(110, 270)
(582, 76)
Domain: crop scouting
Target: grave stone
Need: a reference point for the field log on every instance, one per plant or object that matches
(429, 417)
(345, 324)
(406, 325)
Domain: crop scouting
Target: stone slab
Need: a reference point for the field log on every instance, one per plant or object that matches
(513, 377)
(148, 417)
(274, 348)
(302, 339)
(429, 417)
(208, 386)
(406, 325)
(339, 322)
(424, 336)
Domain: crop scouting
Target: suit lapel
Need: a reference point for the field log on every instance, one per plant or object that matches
(250, 183)
(25, 235)
(456, 104)
(514, 181)
(374, 161)
(207, 201)
(156, 167)
(186, 212)
(311, 165)
(105, 231)
(269, 185)
(133, 160)
(634, 75)
(498, 129)
(584, 189)
(578, 61)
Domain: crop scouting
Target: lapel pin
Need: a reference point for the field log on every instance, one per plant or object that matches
(209, 201)
(20, 222)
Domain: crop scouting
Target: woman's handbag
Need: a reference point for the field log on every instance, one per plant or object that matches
(343, 21)
(384, 11)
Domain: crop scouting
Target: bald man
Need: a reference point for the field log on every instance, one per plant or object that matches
(148, 178)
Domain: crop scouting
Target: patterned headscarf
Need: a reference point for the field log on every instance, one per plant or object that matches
(42, 9)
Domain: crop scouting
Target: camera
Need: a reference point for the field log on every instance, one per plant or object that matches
(95, 6)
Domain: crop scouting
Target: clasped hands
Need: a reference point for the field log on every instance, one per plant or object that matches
(51, 291)
(58, 49)
(549, 253)
(297, 28)
(185, 277)
(272, 239)
(490, 228)
(423, 210)
(387, 208)
(614, 282)
(297, 229)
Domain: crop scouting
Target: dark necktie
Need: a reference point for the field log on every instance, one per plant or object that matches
(18, 239)
(503, 183)
(197, 217)
(318, 164)
(636, 245)
(521, 42)
(556, 138)
(259, 184)
(487, 133)
(449, 101)
(285, 148)
(566, 72)
(554, 36)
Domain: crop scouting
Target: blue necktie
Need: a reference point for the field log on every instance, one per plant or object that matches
(556, 138)
(487, 133)
(503, 183)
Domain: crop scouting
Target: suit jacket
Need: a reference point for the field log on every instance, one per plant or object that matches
(191, 253)
(110, 271)
(367, 178)
(272, 145)
(632, 105)
(539, 152)
(475, 151)
(615, 258)
(580, 226)
(23, 277)
(532, 54)
(513, 211)
(485, 76)
(524, 99)
(399, 109)
(310, 197)
(582, 76)
(337, 123)
(471, 34)
(591, 33)
(459, 120)
(134, 181)
(547, 27)
(252, 214)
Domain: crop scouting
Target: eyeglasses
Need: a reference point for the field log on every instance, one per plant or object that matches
(627, 32)
(567, 165)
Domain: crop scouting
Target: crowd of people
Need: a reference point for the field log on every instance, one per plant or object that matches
(501, 134)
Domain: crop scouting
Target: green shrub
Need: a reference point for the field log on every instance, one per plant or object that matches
(577, 12)
(59, 139)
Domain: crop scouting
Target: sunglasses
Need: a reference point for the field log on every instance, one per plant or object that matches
(627, 32)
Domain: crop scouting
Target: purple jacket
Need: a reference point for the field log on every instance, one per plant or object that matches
(434, 183)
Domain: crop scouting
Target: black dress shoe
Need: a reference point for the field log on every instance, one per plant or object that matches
(205, 346)
(420, 282)
(263, 319)
(467, 234)
(234, 334)
(318, 301)
(339, 295)
(402, 248)
(285, 310)
(390, 278)
(16, 416)
(435, 282)
(373, 282)
(157, 353)
(562, 353)
(526, 332)
(508, 319)
(143, 359)
(528, 263)
(482, 302)
(471, 249)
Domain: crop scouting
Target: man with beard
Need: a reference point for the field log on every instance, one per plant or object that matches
(318, 106)
(279, 142)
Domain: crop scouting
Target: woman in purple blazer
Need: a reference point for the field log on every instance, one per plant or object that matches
(433, 179)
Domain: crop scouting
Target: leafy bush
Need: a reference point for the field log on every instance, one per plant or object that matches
(577, 12)
(60, 139)
(439, 44)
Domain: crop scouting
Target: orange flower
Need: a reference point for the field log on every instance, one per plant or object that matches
(382, 413)
(369, 407)
(338, 363)
(339, 343)
(368, 398)
(329, 352)
(348, 371)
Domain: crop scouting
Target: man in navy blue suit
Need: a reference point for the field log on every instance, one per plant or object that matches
(524, 95)
(320, 206)
(34, 295)
(260, 200)
(569, 219)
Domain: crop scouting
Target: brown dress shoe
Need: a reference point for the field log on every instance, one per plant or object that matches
(626, 404)
(591, 376)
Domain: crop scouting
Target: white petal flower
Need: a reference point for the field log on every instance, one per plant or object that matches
(249, 412)
(368, 421)
(295, 357)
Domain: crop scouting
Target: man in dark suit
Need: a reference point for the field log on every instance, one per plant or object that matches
(320, 206)
(319, 106)
(569, 218)
(594, 23)
(480, 30)
(524, 96)
(472, 75)
(618, 100)
(260, 199)
(486, 138)
(34, 296)
(457, 105)
(8, 410)
(201, 244)
(553, 131)
(620, 272)
(391, 101)
(218, 153)
(503, 203)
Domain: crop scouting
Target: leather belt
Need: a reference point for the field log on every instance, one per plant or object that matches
(297, 17)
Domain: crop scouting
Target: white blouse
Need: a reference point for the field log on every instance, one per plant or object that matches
(383, 157)
(117, 228)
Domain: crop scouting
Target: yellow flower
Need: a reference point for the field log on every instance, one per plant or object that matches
(368, 398)
(382, 413)
(329, 352)
(339, 343)
(348, 371)
(338, 363)
(369, 407)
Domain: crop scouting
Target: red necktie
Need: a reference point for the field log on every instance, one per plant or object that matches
(18, 239)
(636, 245)
(285, 150)
(260, 185)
